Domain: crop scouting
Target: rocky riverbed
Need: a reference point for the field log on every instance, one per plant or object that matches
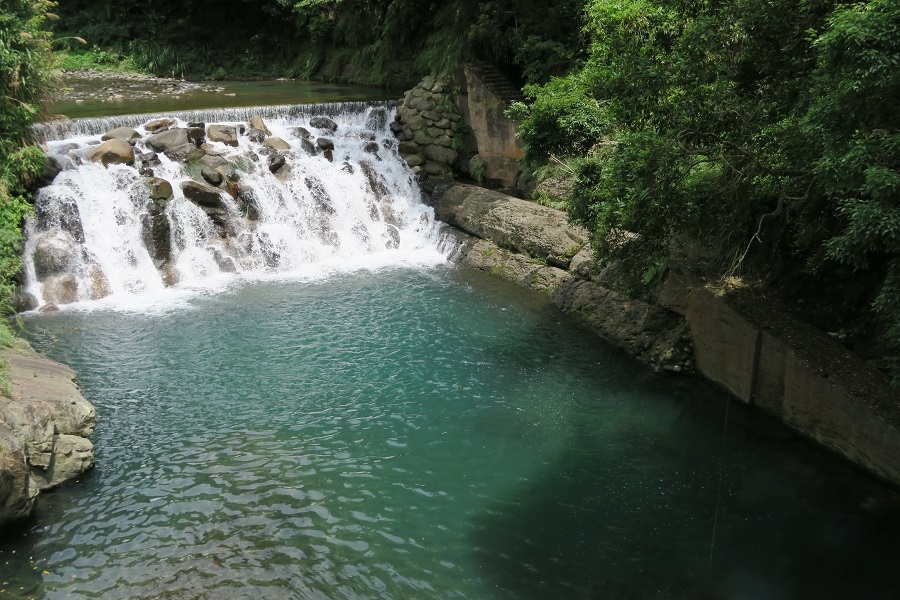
(98, 86)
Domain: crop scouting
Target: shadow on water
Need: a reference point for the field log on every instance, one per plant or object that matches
(627, 509)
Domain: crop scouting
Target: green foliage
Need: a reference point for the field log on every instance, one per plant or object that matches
(94, 60)
(25, 61)
(563, 118)
(767, 132)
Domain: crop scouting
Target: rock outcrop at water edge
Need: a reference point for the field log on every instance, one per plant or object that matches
(44, 429)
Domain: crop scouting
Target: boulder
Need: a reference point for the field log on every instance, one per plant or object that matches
(325, 143)
(60, 289)
(160, 189)
(300, 132)
(276, 161)
(436, 169)
(519, 225)
(371, 147)
(201, 194)
(328, 154)
(121, 133)
(213, 161)
(170, 138)
(185, 153)
(159, 125)
(98, 283)
(323, 122)
(17, 490)
(256, 122)
(113, 152)
(276, 143)
(150, 159)
(156, 233)
(308, 147)
(43, 430)
(54, 252)
(210, 176)
(225, 134)
(228, 172)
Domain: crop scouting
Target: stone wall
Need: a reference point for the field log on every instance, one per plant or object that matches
(427, 126)
(458, 125)
(44, 426)
(686, 326)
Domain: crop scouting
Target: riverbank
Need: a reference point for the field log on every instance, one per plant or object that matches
(44, 428)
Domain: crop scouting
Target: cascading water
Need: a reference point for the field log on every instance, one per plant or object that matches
(284, 199)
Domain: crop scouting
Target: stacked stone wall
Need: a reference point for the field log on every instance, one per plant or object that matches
(428, 126)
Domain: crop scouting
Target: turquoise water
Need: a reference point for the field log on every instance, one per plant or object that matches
(425, 433)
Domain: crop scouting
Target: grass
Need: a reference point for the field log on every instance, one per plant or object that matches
(95, 60)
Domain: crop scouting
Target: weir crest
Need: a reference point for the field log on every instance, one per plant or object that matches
(192, 200)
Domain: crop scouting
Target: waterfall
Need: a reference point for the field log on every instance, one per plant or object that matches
(300, 191)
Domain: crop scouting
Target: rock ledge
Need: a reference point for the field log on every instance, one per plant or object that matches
(43, 430)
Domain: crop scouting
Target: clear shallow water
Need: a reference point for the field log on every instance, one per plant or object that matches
(425, 433)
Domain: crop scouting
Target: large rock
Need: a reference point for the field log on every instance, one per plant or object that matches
(185, 153)
(54, 252)
(43, 430)
(225, 134)
(60, 289)
(211, 176)
(113, 152)
(165, 140)
(159, 125)
(276, 143)
(160, 189)
(121, 133)
(202, 194)
(539, 231)
(256, 122)
(323, 122)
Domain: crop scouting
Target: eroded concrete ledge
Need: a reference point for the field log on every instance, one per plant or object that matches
(44, 428)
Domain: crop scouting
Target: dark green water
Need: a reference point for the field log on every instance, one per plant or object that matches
(425, 434)
(214, 94)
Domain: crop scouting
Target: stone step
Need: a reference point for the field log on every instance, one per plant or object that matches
(497, 83)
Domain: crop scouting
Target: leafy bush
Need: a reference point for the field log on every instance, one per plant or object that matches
(769, 133)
